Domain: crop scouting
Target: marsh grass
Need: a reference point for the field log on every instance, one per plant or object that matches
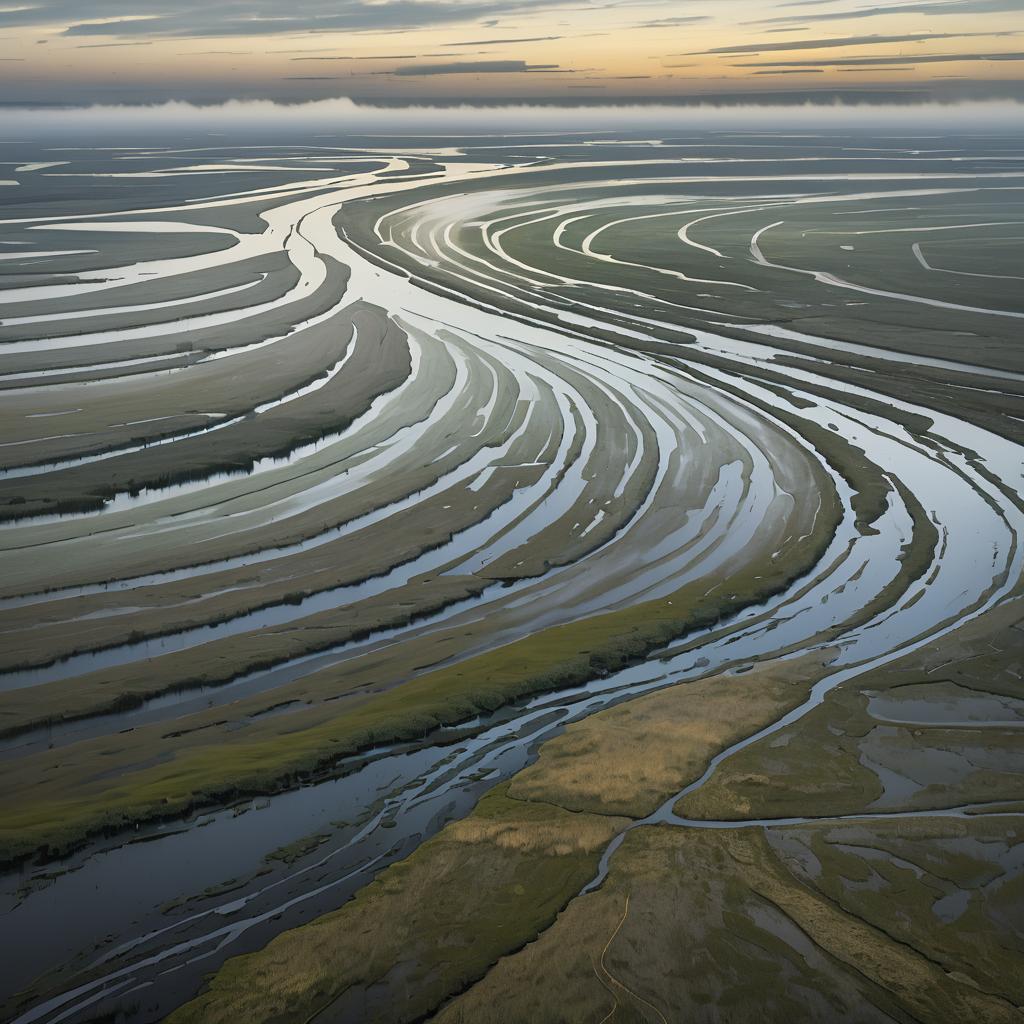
(698, 925)
(99, 789)
(428, 926)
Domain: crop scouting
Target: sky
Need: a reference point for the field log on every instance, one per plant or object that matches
(402, 51)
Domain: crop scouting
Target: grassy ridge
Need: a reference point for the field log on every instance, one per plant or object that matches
(526, 862)
(55, 815)
(94, 789)
(529, 847)
(687, 918)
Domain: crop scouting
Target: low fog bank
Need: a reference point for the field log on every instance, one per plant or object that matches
(344, 116)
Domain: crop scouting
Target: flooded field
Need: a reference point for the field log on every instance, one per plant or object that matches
(450, 540)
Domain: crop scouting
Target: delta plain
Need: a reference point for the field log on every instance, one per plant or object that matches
(502, 576)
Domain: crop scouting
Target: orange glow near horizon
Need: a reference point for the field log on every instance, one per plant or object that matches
(660, 49)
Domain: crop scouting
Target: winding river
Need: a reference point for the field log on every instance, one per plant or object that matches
(509, 389)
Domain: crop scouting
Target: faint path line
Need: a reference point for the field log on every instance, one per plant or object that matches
(604, 984)
(615, 981)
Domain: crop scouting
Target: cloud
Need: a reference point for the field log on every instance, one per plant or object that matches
(823, 44)
(378, 56)
(103, 46)
(930, 58)
(965, 7)
(479, 67)
(200, 18)
(673, 22)
(495, 42)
